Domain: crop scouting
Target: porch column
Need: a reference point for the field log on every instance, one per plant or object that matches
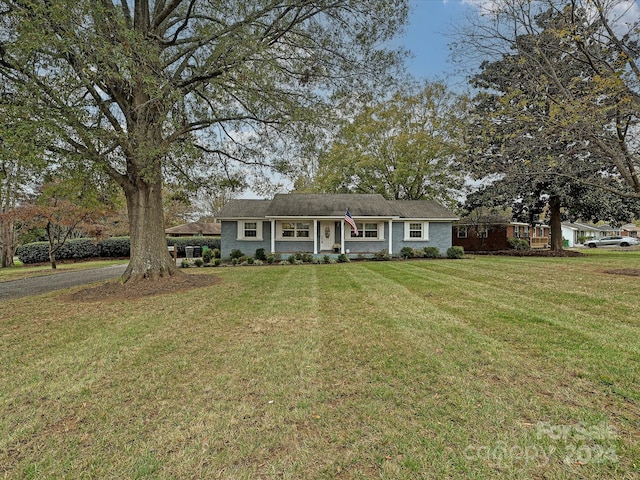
(390, 237)
(315, 237)
(342, 236)
(273, 235)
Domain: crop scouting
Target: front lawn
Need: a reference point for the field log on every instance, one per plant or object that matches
(486, 367)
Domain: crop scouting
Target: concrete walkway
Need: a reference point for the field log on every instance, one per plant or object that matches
(57, 281)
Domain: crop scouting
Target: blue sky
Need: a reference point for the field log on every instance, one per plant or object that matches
(425, 37)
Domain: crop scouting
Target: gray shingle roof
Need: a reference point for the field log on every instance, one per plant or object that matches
(327, 205)
(335, 205)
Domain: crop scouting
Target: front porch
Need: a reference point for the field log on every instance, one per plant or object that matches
(329, 235)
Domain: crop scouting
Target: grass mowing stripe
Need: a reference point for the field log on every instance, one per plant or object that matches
(328, 371)
(526, 305)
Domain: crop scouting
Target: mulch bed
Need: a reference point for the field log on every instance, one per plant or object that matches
(115, 290)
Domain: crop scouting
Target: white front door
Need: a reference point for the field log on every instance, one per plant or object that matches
(327, 235)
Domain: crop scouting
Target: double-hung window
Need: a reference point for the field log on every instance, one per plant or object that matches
(366, 230)
(250, 230)
(414, 230)
(462, 232)
(293, 230)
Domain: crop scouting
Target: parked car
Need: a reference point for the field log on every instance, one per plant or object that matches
(612, 241)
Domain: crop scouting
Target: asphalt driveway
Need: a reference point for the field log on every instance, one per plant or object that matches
(57, 281)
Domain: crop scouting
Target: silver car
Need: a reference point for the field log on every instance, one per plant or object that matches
(612, 241)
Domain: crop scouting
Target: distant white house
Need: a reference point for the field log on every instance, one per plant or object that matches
(574, 232)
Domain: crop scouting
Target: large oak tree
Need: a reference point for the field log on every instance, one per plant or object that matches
(136, 87)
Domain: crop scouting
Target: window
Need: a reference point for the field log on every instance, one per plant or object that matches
(483, 232)
(366, 230)
(462, 232)
(416, 231)
(250, 230)
(293, 230)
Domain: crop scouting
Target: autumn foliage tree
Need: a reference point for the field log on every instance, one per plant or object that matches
(136, 87)
(63, 211)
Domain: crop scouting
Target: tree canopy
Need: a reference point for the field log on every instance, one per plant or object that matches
(141, 88)
(406, 147)
(547, 107)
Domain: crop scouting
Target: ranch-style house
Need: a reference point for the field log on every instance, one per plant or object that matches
(317, 224)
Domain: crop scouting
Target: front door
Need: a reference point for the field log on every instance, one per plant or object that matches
(327, 235)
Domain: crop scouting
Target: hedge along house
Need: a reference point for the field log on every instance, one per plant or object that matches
(315, 223)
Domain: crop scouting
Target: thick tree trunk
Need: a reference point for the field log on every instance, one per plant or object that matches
(149, 256)
(7, 246)
(556, 223)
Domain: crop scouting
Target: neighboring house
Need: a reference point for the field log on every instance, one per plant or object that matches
(608, 231)
(577, 233)
(570, 234)
(315, 223)
(492, 233)
(630, 230)
(194, 229)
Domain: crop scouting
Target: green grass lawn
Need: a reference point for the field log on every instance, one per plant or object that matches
(487, 367)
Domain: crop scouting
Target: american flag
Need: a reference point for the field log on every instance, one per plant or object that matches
(349, 220)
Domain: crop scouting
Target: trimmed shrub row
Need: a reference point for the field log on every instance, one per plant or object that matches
(116, 247)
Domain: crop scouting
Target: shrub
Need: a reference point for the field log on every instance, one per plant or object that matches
(518, 244)
(382, 255)
(250, 260)
(431, 252)
(326, 259)
(455, 252)
(342, 258)
(270, 259)
(235, 253)
(406, 252)
(115, 247)
(234, 261)
(198, 262)
(217, 262)
(207, 255)
(216, 252)
(291, 259)
(37, 252)
(260, 254)
(185, 263)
